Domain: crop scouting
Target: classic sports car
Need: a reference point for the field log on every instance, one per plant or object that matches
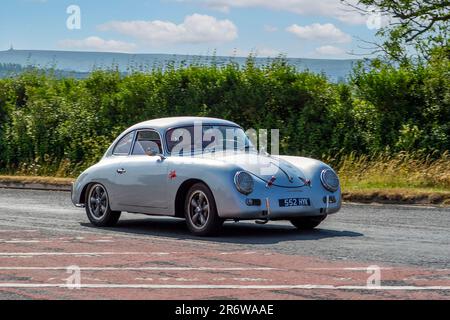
(189, 167)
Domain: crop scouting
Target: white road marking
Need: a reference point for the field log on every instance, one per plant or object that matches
(143, 268)
(225, 286)
(345, 269)
(23, 254)
(142, 237)
(55, 239)
(252, 279)
(234, 253)
(17, 230)
(24, 241)
(49, 241)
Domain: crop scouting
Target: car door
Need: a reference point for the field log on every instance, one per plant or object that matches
(143, 176)
(112, 167)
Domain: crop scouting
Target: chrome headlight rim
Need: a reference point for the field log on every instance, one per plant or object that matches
(238, 182)
(325, 180)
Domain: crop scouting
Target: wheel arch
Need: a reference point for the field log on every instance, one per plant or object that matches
(182, 193)
(85, 190)
(82, 199)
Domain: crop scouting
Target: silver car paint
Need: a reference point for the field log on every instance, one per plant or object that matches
(144, 185)
(147, 188)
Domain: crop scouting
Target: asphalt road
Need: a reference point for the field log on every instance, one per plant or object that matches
(41, 234)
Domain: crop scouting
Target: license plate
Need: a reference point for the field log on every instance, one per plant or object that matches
(295, 202)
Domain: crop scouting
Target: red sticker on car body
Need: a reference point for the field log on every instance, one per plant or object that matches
(172, 174)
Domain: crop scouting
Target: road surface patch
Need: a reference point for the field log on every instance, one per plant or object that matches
(160, 266)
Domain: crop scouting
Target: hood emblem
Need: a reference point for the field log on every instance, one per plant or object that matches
(307, 182)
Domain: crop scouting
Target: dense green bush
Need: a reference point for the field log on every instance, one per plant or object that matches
(51, 125)
(410, 106)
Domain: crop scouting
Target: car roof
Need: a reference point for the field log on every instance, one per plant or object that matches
(167, 123)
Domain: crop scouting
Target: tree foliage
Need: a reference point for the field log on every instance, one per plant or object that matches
(415, 28)
(60, 126)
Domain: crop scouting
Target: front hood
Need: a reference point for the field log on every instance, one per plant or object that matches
(264, 167)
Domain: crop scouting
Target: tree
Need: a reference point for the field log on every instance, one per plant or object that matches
(414, 27)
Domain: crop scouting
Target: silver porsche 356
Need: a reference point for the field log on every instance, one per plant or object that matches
(206, 171)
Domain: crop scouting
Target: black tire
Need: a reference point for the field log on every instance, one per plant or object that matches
(307, 223)
(97, 207)
(200, 211)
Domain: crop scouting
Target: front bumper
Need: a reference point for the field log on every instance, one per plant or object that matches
(237, 206)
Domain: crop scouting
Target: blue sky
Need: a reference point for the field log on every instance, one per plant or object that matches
(296, 28)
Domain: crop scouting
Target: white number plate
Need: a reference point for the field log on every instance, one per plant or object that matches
(295, 202)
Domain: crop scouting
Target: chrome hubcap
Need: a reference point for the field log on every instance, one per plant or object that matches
(98, 202)
(198, 209)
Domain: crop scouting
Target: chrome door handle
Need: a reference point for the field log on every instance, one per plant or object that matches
(121, 171)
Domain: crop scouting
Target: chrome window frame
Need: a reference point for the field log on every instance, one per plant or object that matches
(131, 148)
(130, 154)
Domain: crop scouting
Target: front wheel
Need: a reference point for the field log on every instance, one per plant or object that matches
(201, 214)
(307, 223)
(98, 209)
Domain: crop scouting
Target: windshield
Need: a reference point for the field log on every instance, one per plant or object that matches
(206, 138)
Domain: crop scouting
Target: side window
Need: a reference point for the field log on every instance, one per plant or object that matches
(123, 147)
(148, 142)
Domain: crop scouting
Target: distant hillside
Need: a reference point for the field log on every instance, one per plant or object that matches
(85, 62)
(8, 70)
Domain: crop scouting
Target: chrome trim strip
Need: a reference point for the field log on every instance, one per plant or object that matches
(269, 211)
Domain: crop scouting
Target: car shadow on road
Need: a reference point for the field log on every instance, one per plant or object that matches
(236, 233)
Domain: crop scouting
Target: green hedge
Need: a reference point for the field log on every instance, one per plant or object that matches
(60, 126)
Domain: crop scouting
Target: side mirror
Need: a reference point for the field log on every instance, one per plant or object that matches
(161, 156)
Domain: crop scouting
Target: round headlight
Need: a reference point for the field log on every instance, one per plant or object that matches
(330, 180)
(244, 182)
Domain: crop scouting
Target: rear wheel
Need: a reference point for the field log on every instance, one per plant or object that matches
(201, 214)
(307, 223)
(98, 209)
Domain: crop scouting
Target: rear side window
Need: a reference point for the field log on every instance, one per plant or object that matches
(123, 147)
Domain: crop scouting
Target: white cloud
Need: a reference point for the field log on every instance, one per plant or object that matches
(320, 32)
(98, 44)
(195, 28)
(326, 8)
(329, 50)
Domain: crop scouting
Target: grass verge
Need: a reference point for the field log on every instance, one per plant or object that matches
(36, 180)
(398, 196)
